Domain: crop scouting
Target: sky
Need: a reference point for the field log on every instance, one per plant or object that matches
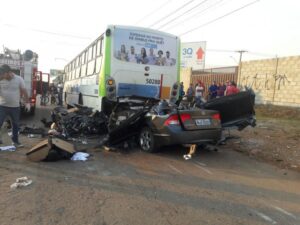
(58, 30)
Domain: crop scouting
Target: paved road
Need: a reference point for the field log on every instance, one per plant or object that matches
(133, 187)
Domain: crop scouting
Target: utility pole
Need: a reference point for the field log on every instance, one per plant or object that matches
(240, 64)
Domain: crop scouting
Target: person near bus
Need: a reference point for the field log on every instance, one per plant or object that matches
(221, 90)
(181, 91)
(60, 88)
(53, 93)
(232, 89)
(190, 93)
(212, 90)
(199, 90)
(12, 88)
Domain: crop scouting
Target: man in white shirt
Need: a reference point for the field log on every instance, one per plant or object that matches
(12, 87)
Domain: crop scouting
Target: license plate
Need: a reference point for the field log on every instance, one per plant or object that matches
(203, 122)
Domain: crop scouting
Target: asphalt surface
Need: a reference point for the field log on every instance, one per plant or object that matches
(132, 187)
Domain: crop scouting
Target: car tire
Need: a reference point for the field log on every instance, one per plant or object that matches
(147, 141)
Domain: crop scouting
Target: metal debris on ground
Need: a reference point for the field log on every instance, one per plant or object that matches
(79, 121)
(32, 132)
(21, 182)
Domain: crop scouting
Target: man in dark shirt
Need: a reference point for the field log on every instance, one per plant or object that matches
(213, 90)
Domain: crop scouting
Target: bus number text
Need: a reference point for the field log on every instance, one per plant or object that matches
(152, 81)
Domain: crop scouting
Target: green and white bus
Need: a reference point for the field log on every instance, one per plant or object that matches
(124, 61)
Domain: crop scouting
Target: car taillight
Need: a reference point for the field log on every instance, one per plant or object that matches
(216, 116)
(173, 119)
(185, 117)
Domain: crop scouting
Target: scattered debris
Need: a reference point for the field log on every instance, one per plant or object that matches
(80, 156)
(52, 149)
(79, 121)
(9, 148)
(33, 132)
(21, 182)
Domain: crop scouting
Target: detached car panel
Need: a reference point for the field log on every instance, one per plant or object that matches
(236, 110)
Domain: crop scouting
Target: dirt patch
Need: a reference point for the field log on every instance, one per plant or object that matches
(277, 112)
(275, 139)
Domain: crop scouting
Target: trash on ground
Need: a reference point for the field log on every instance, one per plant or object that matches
(33, 132)
(51, 149)
(21, 182)
(80, 156)
(9, 148)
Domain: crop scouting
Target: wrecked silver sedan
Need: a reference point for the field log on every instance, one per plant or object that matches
(158, 123)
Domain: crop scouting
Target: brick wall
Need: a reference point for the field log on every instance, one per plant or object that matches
(275, 81)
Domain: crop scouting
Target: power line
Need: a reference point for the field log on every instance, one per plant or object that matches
(221, 17)
(156, 9)
(262, 54)
(47, 32)
(177, 17)
(219, 50)
(193, 15)
(170, 14)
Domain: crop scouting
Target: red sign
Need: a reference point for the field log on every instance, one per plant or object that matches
(200, 54)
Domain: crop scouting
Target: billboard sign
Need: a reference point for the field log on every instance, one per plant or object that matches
(193, 55)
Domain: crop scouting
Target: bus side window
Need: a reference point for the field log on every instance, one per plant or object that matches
(99, 47)
(83, 64)
(91, 62)
(74, 69)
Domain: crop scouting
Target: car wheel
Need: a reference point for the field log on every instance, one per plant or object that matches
(147, 140)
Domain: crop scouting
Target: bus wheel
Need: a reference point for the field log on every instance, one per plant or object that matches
(80, 99)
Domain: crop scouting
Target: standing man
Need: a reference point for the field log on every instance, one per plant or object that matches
(181, 91)
(190, 93)
(213, 90)
(12, 88)
(60, 88)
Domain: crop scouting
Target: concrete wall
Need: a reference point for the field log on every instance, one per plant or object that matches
(275, 81)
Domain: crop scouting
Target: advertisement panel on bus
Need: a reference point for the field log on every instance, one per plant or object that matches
(145, 62)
